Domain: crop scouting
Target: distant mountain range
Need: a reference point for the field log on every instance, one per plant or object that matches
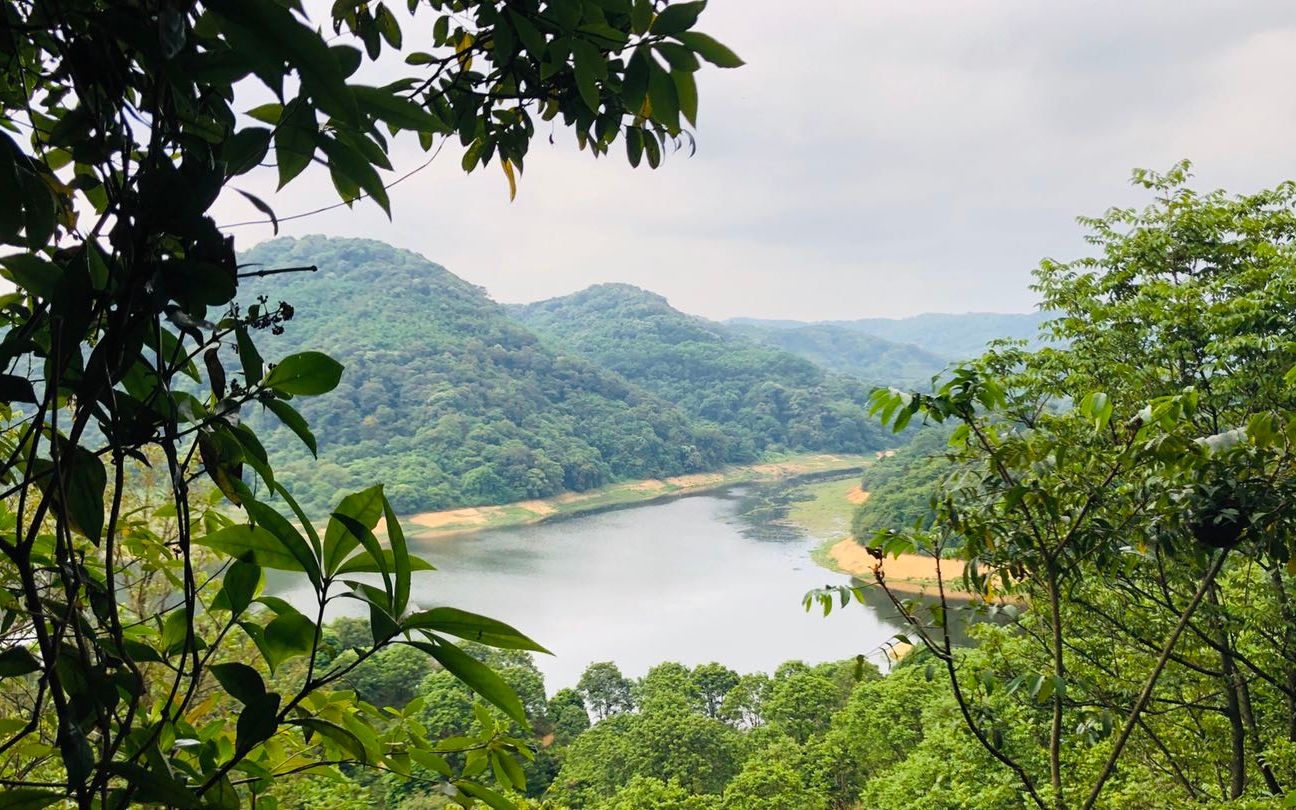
(456, 400)
(951, 337)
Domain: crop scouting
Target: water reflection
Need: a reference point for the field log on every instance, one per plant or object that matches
(684, 580)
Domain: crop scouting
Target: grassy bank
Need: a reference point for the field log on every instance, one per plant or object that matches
(478, 518)
(824, 510)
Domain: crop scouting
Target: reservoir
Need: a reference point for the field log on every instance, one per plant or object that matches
(692, 580)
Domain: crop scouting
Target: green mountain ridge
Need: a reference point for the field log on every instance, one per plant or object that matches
(950, 336)
(452, 399)
(849, 351)
(444, 397)
(761, 398)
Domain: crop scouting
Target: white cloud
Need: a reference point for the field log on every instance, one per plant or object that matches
(873, 158)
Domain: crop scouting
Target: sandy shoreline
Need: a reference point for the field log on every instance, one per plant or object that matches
(916, 569)
(450, 522)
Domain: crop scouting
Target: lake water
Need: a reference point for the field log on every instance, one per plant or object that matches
(692, 580)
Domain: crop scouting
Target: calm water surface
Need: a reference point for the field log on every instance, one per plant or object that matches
(689, 580)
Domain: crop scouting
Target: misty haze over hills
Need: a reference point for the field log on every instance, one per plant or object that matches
(952, 336)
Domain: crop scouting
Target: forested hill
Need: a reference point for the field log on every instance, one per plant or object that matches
(762, 398)
(444, 397)
(949, 336)
(850, 351)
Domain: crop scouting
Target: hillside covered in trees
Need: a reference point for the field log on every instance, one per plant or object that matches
(453, 402)
(850, 351)
(760, 398)
(446, 398)
(948, 336)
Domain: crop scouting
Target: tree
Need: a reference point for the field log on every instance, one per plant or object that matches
(390, 677)
(773, 779)
(567, 715)
(605, 691)
(714, 681)
(743, 706)
(648, 793)
(801, 704)
(1129, 487)
(118, 619)
(668, 687)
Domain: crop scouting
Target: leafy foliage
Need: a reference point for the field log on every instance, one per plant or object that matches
(140, 661)
(1127, 491)
(901, 485)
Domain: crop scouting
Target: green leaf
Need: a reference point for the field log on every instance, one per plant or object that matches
(242, 579)
(396, 110)
(287, 536)
(287, 636)
(709, 49)
(531, 37)
(402, 563)
(84, 480)
(343, 738)
(635, 85)
(479, 791)
(295, 422)
(240, 681)
(306, 373)
(254, 453)
(17, 661)
(28, 798)
(663, 97)
(260, 205)
(634, 139)
(432, 761)
(295, 140)
(686, 92)
(257, 722)
(252, 544)
(677, 18)
(11, 210)
(244, 151)
(373, 551)
(32, 273)
(156, 786)
(302, 519)
(364, 564)
(589, 66)
(364, 507)
(472, 627)
(641, 14)
(477, 676)
(249, 357)
(352, 164)
(678, 57)
(39, 207)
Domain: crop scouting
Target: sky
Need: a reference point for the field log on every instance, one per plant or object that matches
(871, 159)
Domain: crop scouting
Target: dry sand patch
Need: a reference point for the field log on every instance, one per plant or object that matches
(468, 516)
(852, 558)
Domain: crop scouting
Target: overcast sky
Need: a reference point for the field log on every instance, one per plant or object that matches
(872, 158)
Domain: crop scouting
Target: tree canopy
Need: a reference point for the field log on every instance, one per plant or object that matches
(1123, 496)
(134, 624)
